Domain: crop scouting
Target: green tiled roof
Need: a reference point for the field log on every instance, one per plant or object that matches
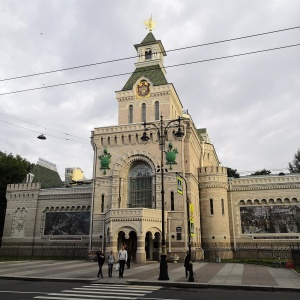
(153, 73)
(199, 132)
(47, 177)
(149, 38)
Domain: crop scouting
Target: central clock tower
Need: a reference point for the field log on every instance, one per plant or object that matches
(147, 94)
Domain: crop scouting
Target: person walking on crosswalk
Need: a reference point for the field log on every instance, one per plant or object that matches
(122, 260)
(101, 260)
(110, 261)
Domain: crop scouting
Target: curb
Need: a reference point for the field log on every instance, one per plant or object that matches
(214, 286)
(83, 280)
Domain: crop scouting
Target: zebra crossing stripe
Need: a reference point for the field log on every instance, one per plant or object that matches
(100, 291)
(105, 292)
(93, 297)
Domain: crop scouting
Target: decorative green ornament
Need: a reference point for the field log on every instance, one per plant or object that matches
(105, 161)
(171, 156)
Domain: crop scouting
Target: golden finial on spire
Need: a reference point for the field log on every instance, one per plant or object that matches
(150, 24)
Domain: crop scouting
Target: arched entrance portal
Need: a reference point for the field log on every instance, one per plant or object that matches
(130, 242)
(152, 246)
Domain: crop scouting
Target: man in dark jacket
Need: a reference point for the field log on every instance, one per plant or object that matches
(101, 260)
(187, 261)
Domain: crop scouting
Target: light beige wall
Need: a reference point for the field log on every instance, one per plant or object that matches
(262, 191)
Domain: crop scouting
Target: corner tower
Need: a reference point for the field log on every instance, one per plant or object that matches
(214, 215)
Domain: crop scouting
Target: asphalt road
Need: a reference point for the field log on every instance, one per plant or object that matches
(28, 290)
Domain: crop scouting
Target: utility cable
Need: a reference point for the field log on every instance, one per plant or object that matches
(131, 57)
(167, 175)
(46, 134)
(156, 68)
(43, 126)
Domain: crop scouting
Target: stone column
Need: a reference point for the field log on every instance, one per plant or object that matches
(140, 251)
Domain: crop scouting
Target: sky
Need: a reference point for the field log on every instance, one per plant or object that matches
(249, 104)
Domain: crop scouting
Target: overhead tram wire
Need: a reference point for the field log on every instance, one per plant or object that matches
(156, 68)
(58, 137)
(131, 57)
(167, 175)
(44, 127)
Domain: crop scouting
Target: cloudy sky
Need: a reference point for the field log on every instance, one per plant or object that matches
(250, 104)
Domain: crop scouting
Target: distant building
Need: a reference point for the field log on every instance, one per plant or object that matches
(73, 174)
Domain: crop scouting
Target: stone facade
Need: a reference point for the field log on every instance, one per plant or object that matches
(26, 215)
(125, 199)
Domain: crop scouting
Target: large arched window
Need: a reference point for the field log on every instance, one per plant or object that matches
(144, 112)
(156, 110)
(130, 114)
(140, 186)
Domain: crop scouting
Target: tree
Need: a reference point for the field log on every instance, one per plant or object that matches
(294, 167)
(262, 172)
(232, 173)
(13, 169)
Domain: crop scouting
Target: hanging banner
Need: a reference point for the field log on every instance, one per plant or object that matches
(192, 230)
(179, 185)
(191, 210)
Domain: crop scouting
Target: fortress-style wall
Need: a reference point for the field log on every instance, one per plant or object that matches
(214, 211)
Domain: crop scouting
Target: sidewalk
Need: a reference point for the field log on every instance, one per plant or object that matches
(206, 275)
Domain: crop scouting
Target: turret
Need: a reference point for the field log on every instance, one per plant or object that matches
(214, 212)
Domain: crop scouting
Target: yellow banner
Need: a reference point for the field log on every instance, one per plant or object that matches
(179, 185)
(192, 228)
(191, 210)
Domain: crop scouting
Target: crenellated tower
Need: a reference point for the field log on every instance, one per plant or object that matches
(214, 211)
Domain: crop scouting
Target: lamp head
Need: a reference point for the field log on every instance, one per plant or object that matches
(145, 137)
(41, 137)
(179, 133)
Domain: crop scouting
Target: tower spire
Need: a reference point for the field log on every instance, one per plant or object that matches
(150, 24)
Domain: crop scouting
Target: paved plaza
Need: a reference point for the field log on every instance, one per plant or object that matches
(217, 275)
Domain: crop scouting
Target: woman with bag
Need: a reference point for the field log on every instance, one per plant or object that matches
(110, 261)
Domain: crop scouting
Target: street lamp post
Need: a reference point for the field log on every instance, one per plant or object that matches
(188, 202)
(162, 132)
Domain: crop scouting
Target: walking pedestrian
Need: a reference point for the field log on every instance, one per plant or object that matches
(101, 260)
(122, 260)
(110, 261)
(187, 261)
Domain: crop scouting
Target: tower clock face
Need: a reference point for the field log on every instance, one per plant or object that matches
(143, 88)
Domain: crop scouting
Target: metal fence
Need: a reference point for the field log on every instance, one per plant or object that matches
(255, 253)
(59, 251)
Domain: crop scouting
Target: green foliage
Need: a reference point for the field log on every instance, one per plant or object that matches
(294, 167)
(262, 172)
(13, 169)
(232, 173)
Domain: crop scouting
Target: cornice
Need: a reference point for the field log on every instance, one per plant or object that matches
(269, 187)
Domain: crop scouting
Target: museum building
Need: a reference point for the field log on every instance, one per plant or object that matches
(155, 174)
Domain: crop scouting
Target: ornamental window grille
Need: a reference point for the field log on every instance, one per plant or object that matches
(211, 204)
(130, 116)
(143, 112)
(102, 203)
(148, 54)
(178, 233)
(156, 110)
(140, 186)
(172, 201)
(222, 207)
